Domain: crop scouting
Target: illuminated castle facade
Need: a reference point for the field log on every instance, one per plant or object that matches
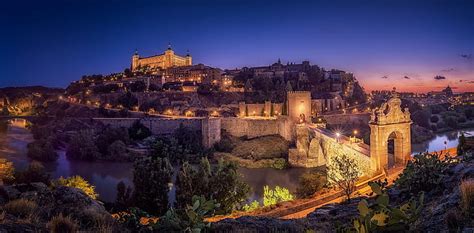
(163, 61)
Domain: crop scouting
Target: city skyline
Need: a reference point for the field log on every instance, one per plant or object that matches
(416, 47)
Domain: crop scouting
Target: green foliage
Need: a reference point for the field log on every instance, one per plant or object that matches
(62, 224)
(224, 145)
(381, 217)
(21, 208)
(131, 219)
(128, 100)
(222, 183)
(168, 148)
(192, 219)
(42, 150)
(251, 207)
(117, 151)
(109, 135)
(421, 118)
(151, 178)
(310, 183)
(462, 146)
(434, 119)
(34, 173)
(6, 171)
(343, 171)
(424, 173)
(280, 164)
(138, 131)
(79, 183)
(82, 146)
(277, 195)
(189, 139)
(124, 196)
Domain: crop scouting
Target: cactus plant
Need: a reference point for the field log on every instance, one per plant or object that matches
(380, 216)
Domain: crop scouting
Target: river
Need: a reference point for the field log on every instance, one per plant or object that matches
(105, 175)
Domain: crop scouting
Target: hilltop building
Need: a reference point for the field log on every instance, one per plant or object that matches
(163, 61)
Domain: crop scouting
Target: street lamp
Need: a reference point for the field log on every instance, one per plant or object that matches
(337, 136)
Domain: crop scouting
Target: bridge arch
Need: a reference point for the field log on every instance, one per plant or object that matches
(390, 122)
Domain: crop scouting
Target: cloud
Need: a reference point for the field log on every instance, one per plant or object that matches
(466, 56)
(439, 77)
(406, 77)
(384, 77)
(448, 70)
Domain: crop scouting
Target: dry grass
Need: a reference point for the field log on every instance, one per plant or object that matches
(467, 195)
(21, 208)
(62, 224)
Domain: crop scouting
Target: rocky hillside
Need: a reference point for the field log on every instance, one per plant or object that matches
(443, 210)
(26, 100)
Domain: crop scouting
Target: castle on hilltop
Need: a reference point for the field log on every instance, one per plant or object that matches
(163, 61)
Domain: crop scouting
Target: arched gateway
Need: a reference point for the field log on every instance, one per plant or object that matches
(390, 122)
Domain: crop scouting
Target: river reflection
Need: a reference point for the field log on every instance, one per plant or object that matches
(438, 143)
(105, 175)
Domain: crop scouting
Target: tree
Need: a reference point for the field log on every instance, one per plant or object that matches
(124, 195)
(117, 151)
(110, 135)
(277, 195)
(42, 150)
(82, 146)
(461, 144)
(79, 183)
(34, 173)
(222, 183)
(138, 131)
(310, 183)
(343, 171)
(151, 178)
(138, 86)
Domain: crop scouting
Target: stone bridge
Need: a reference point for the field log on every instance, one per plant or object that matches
(315, 145)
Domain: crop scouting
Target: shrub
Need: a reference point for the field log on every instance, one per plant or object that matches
(434, 128)
(6, 171)
(62, 224)
(309, 183)
(21, 208)
(117, 151)
(382, 217)
(277, 195)
(225, 145)
(461, 119)
(138, 131)
(451, 121)
(467, 196)
(434, 119)
(42, 150)
(424, 173)
(124, 195)
(82, 146)
(79, 183)
(110, 135)
(453, 220)
(34, 173)
(251, 207)
(280, 164)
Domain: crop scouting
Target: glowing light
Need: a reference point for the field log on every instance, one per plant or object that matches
(355, 132)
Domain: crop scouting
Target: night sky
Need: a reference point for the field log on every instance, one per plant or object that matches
(384, 43)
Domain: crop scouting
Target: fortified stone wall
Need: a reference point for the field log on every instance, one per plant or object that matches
(264, 109)
(253, 128)
(210, 128)
(339, 119)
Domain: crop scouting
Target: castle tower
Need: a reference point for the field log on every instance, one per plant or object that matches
(189, 59)
(135, 59)
(299, 106)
